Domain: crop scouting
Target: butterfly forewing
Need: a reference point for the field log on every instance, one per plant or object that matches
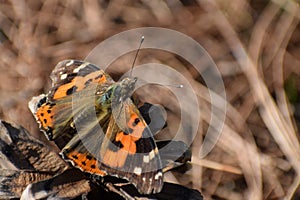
(55, 111)
(71, 76)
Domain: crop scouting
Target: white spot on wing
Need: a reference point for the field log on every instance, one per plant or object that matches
(137, 171)
(158, 175)
(69, 63)
(151, 155)
(76, 70)
(146, 159)
(63, 76)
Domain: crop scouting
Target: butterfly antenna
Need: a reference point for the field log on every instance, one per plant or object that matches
(176, 86)
(137, 52)
(165, 85)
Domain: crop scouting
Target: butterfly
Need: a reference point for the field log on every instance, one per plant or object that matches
(97, 126)
(30, 170)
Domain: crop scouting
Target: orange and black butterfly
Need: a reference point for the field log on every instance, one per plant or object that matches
(98, 127)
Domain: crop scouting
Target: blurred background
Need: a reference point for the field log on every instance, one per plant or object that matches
(255, 45)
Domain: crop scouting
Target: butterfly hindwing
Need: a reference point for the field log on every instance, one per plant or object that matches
(132, 152)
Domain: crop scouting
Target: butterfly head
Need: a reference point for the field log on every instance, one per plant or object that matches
(119, 91)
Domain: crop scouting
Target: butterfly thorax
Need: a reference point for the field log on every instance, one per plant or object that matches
(123, 89)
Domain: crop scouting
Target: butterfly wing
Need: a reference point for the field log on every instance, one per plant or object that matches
(70, 76)
(54, 111)
(130, 154)
(131, 150)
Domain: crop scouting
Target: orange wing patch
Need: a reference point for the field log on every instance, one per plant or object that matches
(85, 162)
(45, 115)
(137, 125)
(79, 83)
(128, 141)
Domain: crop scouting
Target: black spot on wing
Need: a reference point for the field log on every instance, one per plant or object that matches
(50, 104)
(88, 82)
(115, 146)
(145, 145)
(99, 76)
(136, 121)
(93, 166)
(71, 90)
(41, 102)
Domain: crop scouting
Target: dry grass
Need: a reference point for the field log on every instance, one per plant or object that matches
(255, 45)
